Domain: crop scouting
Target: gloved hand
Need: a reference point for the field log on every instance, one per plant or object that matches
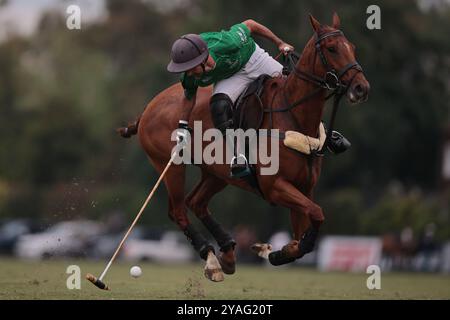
(182, 133)
(181, 136)
(285, 48)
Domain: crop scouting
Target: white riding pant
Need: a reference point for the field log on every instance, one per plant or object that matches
(259, 63)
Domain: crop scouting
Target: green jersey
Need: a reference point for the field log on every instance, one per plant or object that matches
(230, 50)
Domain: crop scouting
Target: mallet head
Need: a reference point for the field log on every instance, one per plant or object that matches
(97, 282)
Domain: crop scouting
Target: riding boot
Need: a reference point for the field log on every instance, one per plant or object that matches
(221, 108)
(222, 117)
(337, 143)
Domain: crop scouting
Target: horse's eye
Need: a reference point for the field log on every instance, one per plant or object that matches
(332, 49)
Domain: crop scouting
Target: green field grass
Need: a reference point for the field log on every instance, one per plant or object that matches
(47, 280)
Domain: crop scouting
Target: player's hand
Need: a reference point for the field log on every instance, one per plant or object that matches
(285, 48)
(182, 137)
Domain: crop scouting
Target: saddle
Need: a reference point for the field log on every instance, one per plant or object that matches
(248, 111)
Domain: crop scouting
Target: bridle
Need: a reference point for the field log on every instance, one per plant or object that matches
(332, 80)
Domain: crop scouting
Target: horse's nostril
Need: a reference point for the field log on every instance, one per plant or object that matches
(359, 90)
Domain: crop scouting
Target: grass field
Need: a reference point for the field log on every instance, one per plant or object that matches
(47, 280)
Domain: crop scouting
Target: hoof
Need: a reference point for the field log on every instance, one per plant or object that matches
(262, 249)
(228, 264)
(213, 270)
(215, 275)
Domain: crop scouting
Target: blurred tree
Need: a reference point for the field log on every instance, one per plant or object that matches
(397, 210)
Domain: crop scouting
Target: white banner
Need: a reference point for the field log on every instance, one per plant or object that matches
(345, 253)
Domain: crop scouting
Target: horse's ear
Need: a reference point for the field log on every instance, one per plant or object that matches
(336, 21)
(314, 23)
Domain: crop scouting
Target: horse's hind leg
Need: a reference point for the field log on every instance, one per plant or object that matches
(197, 201)
(174, 181)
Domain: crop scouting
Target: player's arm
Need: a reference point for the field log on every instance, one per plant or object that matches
(188, 104)
(260, 30)
(189, 98)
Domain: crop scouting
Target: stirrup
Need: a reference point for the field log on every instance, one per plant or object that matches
(239, 170)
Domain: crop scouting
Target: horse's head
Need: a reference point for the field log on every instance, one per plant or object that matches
(334, 61)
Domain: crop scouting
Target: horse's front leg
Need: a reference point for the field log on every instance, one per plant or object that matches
(300, 223)
(306, 217)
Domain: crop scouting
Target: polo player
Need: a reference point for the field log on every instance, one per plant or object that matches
(230, 61)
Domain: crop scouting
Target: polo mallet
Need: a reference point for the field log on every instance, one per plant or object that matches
(98, 282)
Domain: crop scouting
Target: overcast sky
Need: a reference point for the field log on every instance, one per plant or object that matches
(22, 16)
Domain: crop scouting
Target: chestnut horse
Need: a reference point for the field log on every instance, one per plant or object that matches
(327, 62)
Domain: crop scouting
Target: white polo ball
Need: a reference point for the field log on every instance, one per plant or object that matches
(135, 272)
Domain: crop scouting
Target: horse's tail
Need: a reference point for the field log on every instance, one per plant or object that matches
(130, 130)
